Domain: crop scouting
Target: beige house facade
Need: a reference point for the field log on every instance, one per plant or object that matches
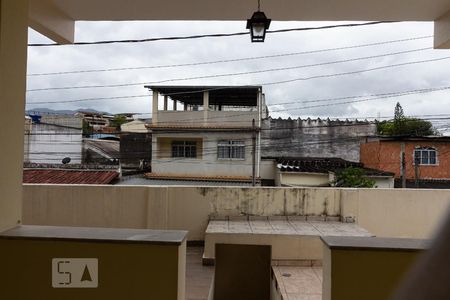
(209, 132)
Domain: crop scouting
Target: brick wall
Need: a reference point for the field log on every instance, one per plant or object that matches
(385, 155)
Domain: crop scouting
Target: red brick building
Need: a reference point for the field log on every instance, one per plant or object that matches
(427, 159)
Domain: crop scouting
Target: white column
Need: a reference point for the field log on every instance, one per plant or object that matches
(205, 107)
(442, 32)
(155, 107)
(13, 68)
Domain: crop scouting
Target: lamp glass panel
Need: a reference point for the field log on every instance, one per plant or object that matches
(258, 29)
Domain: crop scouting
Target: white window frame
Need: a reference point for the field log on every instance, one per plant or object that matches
(425, 160)
(231, 150)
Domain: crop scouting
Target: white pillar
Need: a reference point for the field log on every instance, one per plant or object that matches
(205, 107)
(155, 107)
(13, 68)
(442, 32)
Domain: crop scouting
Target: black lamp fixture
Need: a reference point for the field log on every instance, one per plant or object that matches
(258, 25)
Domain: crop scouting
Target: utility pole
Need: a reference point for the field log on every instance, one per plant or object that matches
(416, 170)
(402, 164)
(254, 154)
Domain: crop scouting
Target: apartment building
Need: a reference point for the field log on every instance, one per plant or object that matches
(210, 133)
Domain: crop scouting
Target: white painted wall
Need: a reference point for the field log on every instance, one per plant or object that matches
(208, 164)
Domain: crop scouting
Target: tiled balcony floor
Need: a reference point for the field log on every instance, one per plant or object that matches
(299, 283)
(198, 277)
(285, 226)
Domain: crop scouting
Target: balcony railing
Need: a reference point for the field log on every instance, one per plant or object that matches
(209, 119)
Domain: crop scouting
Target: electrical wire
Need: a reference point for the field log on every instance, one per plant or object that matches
(214, 35)
(230, 60)
(239, 74)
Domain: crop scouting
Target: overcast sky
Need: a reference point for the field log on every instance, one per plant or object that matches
(402, 78)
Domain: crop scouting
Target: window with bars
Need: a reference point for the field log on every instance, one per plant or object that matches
(186, 149)
(425, 156)
(231, 150)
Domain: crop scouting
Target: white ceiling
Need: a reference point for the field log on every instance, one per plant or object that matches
(311, 10)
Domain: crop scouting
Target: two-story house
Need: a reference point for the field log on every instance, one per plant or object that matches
(211, 133)
(423, 162)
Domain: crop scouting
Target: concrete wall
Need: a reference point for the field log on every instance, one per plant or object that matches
(51, 143)
(13, 68)
(313, 138)
(206, 163)
(383, 212)
(407, 213)
(302, 179)
(383, 183)
(215, 118)
(63, 120)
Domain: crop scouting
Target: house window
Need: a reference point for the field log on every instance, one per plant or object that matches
(231, 150)
(186, 149)
(425, 156)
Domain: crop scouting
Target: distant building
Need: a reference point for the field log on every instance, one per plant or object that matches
(314, 137)
(97, 121)
(51, 138)
(316, 172)
(213, 135)
(135, 150)
(426, 159)
(135, 126)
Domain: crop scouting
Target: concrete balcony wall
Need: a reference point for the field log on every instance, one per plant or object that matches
(405, 213)
(383, 212)
(215, 118)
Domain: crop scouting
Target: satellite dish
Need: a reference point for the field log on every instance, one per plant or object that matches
(66, 160)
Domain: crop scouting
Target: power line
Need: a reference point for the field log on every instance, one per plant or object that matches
(234, 74)
(369, 98)
(230, 60)
(214, 35)
(332, 124)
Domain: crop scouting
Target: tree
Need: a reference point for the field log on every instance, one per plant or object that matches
(87, 129)
(117, 121)
(398, 112)
(405, 126)
(353, 177)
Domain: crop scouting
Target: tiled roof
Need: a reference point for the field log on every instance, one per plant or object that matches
(43, 176)
(322, 165)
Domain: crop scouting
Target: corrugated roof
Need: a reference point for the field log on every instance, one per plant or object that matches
(106, 148)
(68, 176)
(218, 95)
(323, 165)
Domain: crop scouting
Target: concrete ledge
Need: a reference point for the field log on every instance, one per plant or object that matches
(366, 268)
(291, 239)
(88, 234)
(123, 263)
